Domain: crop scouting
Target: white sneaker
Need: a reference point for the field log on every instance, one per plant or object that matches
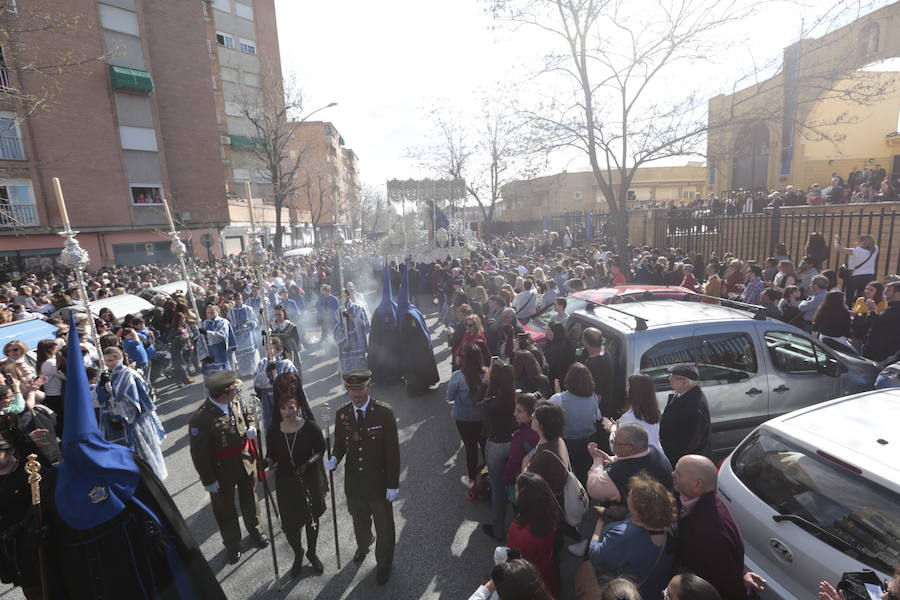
(467, 482)
(577, 548)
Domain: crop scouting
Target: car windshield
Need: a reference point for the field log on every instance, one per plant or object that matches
(541, 320)
(833, 498)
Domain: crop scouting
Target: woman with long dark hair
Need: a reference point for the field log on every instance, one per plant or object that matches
(640, 407)
(295, 444)
(54, 386)
(817, 249)
(832, 319)
(498, 406)
(582, 410)
(462, 394)
(528, 374)
(533, 531)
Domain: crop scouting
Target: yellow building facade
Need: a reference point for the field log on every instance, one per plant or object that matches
(530, 200)
(830, 109)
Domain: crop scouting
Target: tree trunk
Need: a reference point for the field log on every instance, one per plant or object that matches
(278, 229)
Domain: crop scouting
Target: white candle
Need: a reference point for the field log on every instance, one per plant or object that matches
(168, 214)
(63, 214)
(250, 205)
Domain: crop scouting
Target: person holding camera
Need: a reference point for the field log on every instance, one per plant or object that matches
(295, 446)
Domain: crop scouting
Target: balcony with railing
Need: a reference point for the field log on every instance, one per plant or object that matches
(13, 216)
(11, 148)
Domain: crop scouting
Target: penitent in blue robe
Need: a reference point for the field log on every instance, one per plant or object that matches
(245, 325)
(128, 417)
(220, 347)
(352, 343)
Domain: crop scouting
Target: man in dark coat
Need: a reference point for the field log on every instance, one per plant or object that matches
(417, 362)
(685, 424)
(221, 432)
(365, 431)
(708, 541)
(883, 330)
(383, 337)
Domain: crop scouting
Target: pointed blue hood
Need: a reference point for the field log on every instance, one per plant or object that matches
(404, 306)
(96, 477)
(386, 312)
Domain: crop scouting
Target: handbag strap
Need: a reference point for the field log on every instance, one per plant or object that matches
(556, 456)
(656, 562)
(871, 253)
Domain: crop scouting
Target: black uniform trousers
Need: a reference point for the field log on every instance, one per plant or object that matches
(365, 509)
(226, 516)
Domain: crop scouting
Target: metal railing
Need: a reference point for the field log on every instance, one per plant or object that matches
(754, 236)
(11, 148)
(4, 78)
(18, 215)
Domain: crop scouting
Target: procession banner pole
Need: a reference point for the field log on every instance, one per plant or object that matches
(334, 521)
(180, 251)
(76, 258)
(33, 468)
(267, 493)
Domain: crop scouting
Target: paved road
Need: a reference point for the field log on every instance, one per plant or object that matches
(441, 553)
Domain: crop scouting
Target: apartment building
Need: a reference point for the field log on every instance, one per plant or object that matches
(330, 185)
(157, 117)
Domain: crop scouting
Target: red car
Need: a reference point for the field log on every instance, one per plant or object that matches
(617, 294)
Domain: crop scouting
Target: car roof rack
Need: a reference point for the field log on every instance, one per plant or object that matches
(759, 313)
(640, 322)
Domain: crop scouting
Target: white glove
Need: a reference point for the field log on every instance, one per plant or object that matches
(251, 433)
(212, 488)
(331, 463)
(392, 495)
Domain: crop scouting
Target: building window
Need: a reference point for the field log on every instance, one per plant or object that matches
(243, 11)
(248, 46)
(233, 109)
(138, 138)
(10, 138)
(223, 5)
(143, 194)
(17, 207)
(577, 196)
(225, 40)
(241, 175)
(118, 19)
(4, 72)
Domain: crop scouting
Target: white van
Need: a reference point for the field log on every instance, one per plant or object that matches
(816, 493)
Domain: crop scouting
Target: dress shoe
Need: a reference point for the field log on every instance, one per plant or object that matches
(382, 575)
(297, 567)
(233, 556)
(316, 564)
(360, 555)
(259, 540)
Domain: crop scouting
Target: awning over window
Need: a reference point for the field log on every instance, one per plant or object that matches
(242, 142)
(135, 80)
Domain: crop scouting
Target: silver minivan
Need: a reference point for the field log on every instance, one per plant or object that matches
(816, 493)
(751, 368)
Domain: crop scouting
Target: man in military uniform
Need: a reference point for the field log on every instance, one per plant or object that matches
(366, 433)
(221, 432)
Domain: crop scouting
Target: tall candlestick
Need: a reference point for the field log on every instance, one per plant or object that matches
(168, 214)
(64, 215)
(250, 205)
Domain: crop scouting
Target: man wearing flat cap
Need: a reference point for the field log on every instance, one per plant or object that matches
(365, 431)
(220, 434)
(684, 427)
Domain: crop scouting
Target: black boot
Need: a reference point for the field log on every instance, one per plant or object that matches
(297, 546)
(312, 535)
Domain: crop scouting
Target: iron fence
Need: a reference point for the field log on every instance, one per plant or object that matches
(754, 236)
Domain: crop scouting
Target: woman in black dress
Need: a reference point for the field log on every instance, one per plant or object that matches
(296, 445)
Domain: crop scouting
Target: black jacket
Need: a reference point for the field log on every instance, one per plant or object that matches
(883, 337)
(685, 425)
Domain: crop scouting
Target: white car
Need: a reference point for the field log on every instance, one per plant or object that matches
(816, 493)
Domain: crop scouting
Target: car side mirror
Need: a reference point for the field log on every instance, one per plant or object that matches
(832, 367)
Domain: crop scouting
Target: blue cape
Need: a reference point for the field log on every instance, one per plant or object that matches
(404, 306)
(96, 478)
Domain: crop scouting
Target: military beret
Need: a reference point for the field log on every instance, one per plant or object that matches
(219, 382)
(685, 370)
(357, 380)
